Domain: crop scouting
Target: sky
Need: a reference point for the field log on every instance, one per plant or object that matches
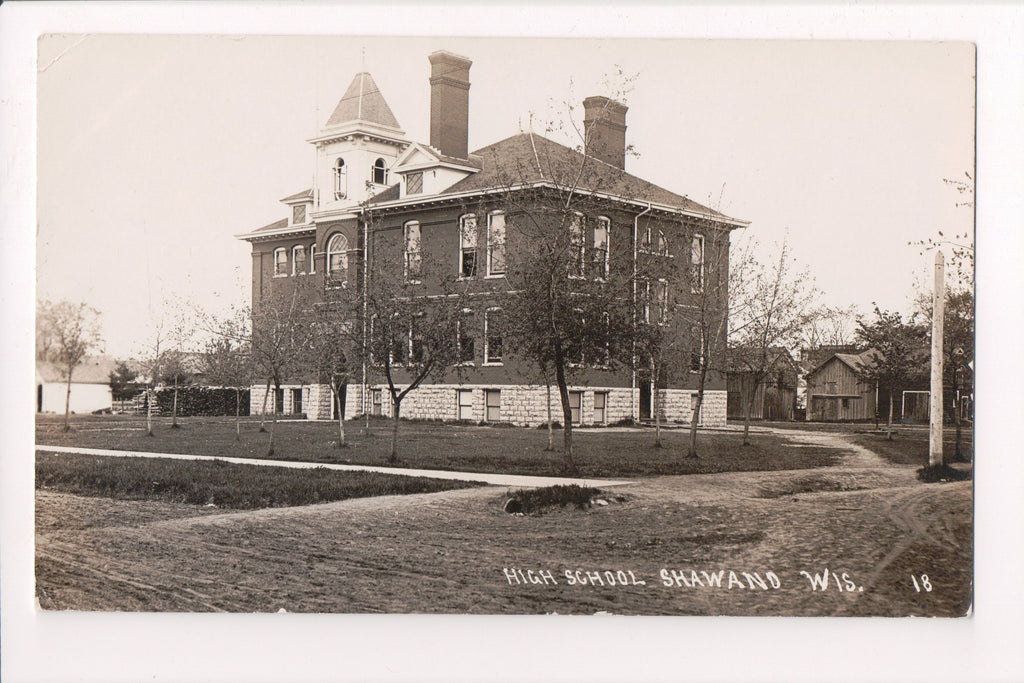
(155, 151)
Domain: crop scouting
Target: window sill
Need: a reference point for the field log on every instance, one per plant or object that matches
(494, 276)
(466, 364)
(280, 274)
(492, 364)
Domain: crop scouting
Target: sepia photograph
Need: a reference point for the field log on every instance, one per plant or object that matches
(397, 324)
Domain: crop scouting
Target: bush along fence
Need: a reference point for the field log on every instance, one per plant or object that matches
(202, 401)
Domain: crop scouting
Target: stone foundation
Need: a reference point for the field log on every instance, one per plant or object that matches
(519, 404)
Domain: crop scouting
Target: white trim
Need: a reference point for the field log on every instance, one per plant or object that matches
(476, 246)
(487, 346)
(405, 252)
(504, 243)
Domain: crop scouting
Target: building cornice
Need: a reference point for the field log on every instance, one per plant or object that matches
(266, 235)
(411, 202)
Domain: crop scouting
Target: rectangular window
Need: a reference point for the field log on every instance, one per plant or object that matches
(413, 252)
(697, 263)
(312, 259)
(655, 301)
(467, 347)
(496, 244)
(467, 246)
(298, 260)
(492, 336)
(697, 354)
(599, 257)
(576, 249)
(846, 403)
(414, 183)
(298, 214)
(376, 400)
(492, 400)
(600, 404)
(278, 401)
(416, 344)
(465, 404)
(575, 406)
(297, 401)
(280, 262)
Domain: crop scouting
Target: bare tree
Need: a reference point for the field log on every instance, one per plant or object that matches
(71, 331)
(151, 360)
(770, 306)
(413, 308)
(227, 360)
(281, 329)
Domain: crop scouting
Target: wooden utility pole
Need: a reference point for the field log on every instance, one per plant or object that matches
(935, 422)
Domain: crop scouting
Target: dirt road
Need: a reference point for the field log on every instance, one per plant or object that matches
(862, 538)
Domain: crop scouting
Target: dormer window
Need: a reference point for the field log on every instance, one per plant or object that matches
(380, 172)
(298, 214)
(414, 182)
(340, 179)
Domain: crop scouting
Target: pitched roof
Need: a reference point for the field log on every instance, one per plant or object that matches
(527, 158)
(305, 194)
(93, 370)
(276, 225)
(858, 362)
(363, 101)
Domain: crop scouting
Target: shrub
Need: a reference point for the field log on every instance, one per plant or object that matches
(534, 500)
(204, 401)
(937, 473)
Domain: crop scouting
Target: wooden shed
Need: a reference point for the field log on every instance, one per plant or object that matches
(774, 397)
(835, 392)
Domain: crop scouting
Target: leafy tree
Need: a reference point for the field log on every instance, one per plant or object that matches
(122, 381)
(71, 331)
(900, 357)
(770, 306)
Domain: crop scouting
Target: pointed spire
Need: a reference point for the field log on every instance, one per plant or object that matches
(363, 101)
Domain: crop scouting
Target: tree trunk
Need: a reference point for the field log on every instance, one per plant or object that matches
(238, 414)
(149, 412)
(339, 392)
(563, 393)
(888, 435)
(394, 430)
(174, 409)
(273, 424)
(748, 408)
(67, 403)
(695, 418)
(263, 409)
(551, 424)
(657, 417)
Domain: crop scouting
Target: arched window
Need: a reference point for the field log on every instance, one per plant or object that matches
(380, 172)
(337, 258)
(340, 179)
(280, 262)
(298, 259)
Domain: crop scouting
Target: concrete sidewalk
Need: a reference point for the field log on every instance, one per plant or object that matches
(517, 480)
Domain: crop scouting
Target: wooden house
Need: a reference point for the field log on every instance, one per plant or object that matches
(774, 397)
(836, 392)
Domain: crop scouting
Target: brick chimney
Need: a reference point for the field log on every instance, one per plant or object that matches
(604, 121)
(449, 104)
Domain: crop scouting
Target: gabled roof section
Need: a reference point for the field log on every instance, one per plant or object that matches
(298, 196)
(857, 362)
(419, 154)
(92, 370)
(363, 101)
(529, 158)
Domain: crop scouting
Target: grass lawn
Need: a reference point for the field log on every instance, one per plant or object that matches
(225, 485)
(514, 450)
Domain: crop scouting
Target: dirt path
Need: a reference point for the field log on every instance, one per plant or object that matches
(452, 552)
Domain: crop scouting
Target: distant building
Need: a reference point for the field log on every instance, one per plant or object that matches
(775, 395)
(836, 392)
(90, 386)
(441, 203)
